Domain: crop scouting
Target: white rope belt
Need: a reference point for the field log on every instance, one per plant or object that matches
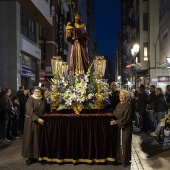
(121, 140)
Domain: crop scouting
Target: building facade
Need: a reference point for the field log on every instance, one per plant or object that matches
(162, 75)
(146, 25)
(32, 33)
(20, 56)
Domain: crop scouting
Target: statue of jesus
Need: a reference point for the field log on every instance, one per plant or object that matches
(77, 36)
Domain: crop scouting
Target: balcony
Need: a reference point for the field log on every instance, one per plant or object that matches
(40, 14)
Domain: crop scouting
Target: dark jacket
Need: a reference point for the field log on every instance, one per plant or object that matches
(22, 101)
(21, 97)
(167, 96)
(5, 108)
(114, 99)
(160, 104)
(17, 108)
(133, 104)
(141, 102)
(150, 101)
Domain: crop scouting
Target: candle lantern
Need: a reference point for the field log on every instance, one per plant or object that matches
(99, 66)
(56, 64)
(64, 67)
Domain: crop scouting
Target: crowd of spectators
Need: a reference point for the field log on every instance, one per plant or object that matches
(12, 112)
(151, 108)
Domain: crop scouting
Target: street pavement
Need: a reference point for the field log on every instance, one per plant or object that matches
(147, 154)
(11, 159)
(151, 154)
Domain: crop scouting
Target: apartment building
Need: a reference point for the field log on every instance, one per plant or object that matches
(20, 53)
(143, 29)
(162, 74)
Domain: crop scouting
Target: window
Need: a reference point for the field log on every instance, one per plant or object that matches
(28, 26)
(163, 3)
(164, 7)
(145, 21)
(164, 36)
(145, 51)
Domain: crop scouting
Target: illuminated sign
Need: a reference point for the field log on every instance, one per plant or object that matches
(163, 78)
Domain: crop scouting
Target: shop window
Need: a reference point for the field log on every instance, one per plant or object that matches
(26, 61)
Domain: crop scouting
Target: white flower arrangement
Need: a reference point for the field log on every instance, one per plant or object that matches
(80, 89)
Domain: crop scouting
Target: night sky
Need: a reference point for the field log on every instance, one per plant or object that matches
(107, 26)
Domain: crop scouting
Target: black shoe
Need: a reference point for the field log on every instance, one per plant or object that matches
(42, 162)
(30, 161)
(124, 165)
(10, 138)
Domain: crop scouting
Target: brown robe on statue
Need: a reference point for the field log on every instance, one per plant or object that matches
(34, 109)
(123, 113)
(79, 55)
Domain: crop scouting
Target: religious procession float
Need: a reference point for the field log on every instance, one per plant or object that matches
(77, 87)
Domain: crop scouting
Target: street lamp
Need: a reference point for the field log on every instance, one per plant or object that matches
(136, 48)
(119, 81)
(134, 52)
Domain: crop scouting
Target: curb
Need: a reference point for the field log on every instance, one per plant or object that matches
(142, 157)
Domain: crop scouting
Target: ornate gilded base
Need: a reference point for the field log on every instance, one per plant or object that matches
(77, 108)
(76, 160)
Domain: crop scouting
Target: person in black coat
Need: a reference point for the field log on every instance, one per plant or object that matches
(160, 107)
(141, 108)
(48, 101)
(167, 94)
(114, 97)
(150, 109)
(15, 119)
(5, 114)
(22, 101)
